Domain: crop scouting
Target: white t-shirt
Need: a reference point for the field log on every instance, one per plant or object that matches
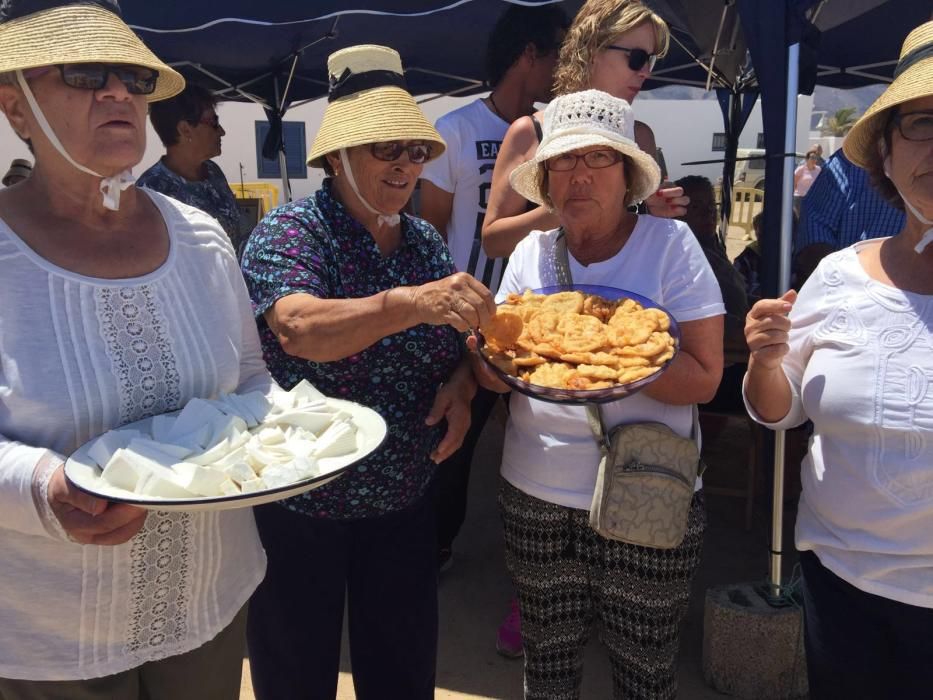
(860, 367)
(473, 135)
(550, 452)
(78, 356)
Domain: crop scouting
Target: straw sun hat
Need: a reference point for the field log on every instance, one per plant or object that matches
(580, 120)
(368, 103)
(36, 33)
(913, 78)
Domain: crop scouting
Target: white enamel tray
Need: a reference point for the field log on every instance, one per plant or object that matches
(83, 472)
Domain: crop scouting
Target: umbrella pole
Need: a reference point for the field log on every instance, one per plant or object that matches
(283, 165)
(787, 194)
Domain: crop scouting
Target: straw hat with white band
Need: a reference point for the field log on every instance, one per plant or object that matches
(584, 119)
(39, 33)
(369, 103)
(36, 33)
(913, 78)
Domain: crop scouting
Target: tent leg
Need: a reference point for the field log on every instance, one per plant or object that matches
(286, 186)
(787, 193)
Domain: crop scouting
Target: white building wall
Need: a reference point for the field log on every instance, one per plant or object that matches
(683, 129)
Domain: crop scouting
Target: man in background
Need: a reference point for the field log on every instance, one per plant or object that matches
(841, 208)
(521, 55)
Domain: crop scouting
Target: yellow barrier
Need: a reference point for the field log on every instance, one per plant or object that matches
(268, 194)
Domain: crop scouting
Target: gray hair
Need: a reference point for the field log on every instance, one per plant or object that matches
(8, 78)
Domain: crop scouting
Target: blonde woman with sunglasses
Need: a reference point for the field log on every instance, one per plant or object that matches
(612, 46)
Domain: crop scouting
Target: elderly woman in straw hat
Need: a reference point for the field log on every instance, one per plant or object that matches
(363, 301)
(852, 354)
(567, 574)
(117, 304)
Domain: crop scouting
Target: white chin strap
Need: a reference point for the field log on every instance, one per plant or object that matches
(110, 187)
(390, 219)
(927, 237)
(928, 234)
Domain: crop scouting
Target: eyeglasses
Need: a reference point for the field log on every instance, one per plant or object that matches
(418, 153)
(637, 58)
(596, 160)
(915, 126)
(94, 76)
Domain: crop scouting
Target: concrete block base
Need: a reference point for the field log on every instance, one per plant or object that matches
(750, 649)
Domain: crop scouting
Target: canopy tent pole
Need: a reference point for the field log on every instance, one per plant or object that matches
(283, 166)
(787, 193)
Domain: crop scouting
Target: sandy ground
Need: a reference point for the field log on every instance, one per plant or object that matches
(474, 593)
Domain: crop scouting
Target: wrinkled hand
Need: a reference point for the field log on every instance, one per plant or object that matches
(668, 202)
(458, 300)
(766, 330)
(452, 402)
(90, 520)
(483, 374)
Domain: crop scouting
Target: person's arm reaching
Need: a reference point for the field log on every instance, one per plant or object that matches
(508, 219)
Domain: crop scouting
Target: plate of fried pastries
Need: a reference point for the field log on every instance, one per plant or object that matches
(579, 343)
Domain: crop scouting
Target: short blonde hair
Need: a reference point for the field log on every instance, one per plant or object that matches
(596, 25)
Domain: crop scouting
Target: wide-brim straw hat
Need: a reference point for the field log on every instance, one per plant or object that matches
(368, 103)
(77, 32)
(913, 78)
(581, 120)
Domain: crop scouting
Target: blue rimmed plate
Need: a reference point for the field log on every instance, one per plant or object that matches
(583, 396)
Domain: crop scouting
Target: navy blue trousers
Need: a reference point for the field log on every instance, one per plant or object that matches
(453, 474)
(860, 645)
(383, 568)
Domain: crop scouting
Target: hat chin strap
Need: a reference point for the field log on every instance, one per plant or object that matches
(927, 237)
(390, 219)
(110, 187)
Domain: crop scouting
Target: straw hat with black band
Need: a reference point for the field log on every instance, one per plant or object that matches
(39, 33)
(913, 78)
(368, 102)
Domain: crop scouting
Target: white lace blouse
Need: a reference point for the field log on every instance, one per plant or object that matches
(79, 356)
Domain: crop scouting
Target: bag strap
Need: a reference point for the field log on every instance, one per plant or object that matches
(594, 415)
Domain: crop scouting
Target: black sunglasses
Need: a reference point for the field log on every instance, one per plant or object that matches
(94, 76)
(637, 58)
(418, 153)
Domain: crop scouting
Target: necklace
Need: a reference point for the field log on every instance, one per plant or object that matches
(495, 108)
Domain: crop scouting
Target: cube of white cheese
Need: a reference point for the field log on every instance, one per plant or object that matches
(239, 472)
(252, 485)
(228, 488)
(107, 445)
(121, 471)
(195, 414)
(203, 481)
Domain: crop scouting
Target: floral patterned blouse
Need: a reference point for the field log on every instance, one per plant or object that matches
(314, 246)
(212, 195)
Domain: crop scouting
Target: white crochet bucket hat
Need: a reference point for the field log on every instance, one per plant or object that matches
(580, 120)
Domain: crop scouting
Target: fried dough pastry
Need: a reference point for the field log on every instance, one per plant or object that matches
(572, 340)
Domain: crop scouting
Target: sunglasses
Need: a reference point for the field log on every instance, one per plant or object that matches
(94, 76)
(595, 160)
(637, 58)
(418, 153)
(212, 121)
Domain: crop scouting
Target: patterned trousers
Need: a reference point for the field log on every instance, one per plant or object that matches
(567, 576)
